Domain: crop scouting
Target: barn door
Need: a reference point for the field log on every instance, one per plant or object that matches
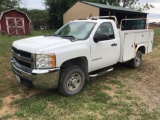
(15, 25)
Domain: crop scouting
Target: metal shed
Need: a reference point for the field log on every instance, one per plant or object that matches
(14, 22)
(84, 9)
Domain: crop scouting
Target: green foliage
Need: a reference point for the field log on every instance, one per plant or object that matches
(134, 4)
(39, 18)
(56, 9)
(9, 4)
(144, 7)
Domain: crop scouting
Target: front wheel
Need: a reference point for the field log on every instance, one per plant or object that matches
(137, 61)
(72, 80)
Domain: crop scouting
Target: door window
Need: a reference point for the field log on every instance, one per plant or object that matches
(106, 29)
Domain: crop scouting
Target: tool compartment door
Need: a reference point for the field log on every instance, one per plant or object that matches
(150, 41)
(129, 48)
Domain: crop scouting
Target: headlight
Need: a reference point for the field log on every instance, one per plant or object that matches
(46, 61)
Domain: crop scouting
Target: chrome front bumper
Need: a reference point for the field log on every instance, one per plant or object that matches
(40, 78)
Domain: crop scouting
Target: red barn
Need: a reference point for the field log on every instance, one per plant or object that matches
(14, 22)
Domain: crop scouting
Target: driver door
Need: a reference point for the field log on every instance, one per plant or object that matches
(106, 51)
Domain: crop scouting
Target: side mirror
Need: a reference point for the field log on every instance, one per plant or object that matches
(100, 37)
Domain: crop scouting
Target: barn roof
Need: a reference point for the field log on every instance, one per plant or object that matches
(1, 14)
(111, 7)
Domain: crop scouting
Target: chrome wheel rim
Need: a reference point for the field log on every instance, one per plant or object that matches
(74, 81)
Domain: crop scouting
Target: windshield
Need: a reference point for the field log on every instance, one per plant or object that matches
(77, 30)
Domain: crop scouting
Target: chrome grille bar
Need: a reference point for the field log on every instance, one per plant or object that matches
(24, 60)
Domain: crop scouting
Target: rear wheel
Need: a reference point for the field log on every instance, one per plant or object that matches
(72, 80)
(137, 61)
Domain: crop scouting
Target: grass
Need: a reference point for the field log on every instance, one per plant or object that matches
(1, 103)
(157, 38)
(114, 96)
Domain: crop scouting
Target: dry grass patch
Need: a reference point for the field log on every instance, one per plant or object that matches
(110, 92)
(6, 105)
(148, 87)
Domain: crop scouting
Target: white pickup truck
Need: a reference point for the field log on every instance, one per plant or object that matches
(78, 50)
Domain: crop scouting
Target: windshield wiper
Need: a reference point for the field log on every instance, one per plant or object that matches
(68, 36)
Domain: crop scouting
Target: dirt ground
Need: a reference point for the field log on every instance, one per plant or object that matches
(148, 85)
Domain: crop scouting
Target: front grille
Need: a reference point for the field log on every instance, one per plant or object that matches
(24, 60)
(25, 64)
(21, 53)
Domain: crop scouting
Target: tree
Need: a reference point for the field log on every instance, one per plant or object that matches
(39, 18)
(56, 9)
(134, 4)
(9, 4)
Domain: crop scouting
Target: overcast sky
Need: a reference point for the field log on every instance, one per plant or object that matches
(33, 4)
(154, 13)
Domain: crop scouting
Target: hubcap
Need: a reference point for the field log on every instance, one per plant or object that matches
(138, 60)
(74, 81)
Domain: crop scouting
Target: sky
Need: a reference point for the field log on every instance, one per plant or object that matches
(154, 13)
(33, 4)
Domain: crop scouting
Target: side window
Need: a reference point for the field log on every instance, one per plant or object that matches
(107, 29)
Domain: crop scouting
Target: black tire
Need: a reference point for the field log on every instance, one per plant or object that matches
(137, 61)
(72, 80)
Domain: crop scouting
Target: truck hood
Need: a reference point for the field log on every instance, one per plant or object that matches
(39, 44)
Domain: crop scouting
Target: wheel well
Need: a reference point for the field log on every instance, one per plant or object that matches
(142, 49)
(80, 61)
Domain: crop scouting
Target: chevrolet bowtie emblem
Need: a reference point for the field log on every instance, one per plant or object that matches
(18, 55)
